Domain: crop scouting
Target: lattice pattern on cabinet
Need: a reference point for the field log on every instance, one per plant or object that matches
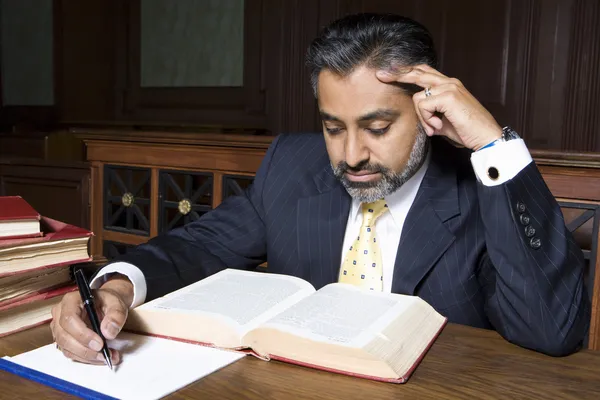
(127, 199)
(235, 185)
(114, 249)
(184, 197)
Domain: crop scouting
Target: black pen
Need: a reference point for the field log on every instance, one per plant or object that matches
(90, 308)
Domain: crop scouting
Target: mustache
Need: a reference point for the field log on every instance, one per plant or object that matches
(363, 166)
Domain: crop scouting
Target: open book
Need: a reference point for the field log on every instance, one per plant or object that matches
(338, 328)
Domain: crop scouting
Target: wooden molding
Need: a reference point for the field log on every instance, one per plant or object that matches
(566, 159)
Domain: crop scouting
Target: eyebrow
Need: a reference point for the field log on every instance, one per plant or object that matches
(377, 114)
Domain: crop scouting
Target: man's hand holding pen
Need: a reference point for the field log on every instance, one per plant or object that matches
(73, 331)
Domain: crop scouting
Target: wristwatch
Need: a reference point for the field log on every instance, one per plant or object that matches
(508, 134)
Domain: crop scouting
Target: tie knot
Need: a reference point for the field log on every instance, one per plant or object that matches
(372, 211)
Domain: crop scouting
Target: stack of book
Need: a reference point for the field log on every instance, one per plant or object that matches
(36, 257)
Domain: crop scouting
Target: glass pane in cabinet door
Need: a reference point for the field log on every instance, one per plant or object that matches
(192, 43)
(113, 250)
(184, 197)
(127, 199)
(26, 53)
(236, 185)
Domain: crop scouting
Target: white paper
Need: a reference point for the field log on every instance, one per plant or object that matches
(151, 367)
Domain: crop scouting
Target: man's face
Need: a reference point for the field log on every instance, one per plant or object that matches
(372, 132)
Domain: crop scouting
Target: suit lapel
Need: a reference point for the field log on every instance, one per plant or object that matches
(424, 236)
(321, 221)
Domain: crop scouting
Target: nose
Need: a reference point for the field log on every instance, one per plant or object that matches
(355, 150)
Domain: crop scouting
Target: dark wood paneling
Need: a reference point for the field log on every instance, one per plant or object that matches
(85, 42)
(551, 22)
(293, 104)
(55, 189)
(581, 114)
(532, 63)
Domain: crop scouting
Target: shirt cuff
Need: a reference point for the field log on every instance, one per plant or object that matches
(500, 163)
(133, 273)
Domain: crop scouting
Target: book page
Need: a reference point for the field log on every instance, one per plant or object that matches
(151, 367)
(341, 314)
(242, 297)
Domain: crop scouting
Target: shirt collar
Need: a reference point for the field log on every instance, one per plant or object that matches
(400, 201)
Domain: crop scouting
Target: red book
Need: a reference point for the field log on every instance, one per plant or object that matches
(30, 312)
(61, 244)
(18, 219)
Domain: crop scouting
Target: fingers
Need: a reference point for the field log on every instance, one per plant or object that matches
(115, 314)
(115, 357)
(73, 336)
(434, 91)
(434, 110)
(422, 75)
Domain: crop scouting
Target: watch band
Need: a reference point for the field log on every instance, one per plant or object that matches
(507, 134)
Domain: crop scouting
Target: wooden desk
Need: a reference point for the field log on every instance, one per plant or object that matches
(463, 363)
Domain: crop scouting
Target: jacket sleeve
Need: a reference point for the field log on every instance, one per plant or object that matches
(532, 273)
(231, 236)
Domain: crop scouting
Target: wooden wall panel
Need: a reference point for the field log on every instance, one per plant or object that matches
(85, 43)
(533, 63)
(582, 111)
(57, 190)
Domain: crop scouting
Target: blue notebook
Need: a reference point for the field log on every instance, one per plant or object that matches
(151, 368)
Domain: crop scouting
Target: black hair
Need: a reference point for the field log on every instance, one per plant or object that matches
(378, 41)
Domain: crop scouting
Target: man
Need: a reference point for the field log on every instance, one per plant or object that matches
(449, 205)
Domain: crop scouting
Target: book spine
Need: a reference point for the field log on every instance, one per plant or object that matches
(51, 381)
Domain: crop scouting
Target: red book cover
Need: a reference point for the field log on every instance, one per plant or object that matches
(15, 208)
(53, 230)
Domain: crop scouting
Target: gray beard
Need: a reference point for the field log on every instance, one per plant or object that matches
(368, 192)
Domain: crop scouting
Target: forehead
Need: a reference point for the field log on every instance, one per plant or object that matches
(357, 93)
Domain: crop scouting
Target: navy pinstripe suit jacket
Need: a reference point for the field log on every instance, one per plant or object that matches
(463, 247)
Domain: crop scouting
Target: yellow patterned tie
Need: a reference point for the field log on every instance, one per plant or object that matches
(362, 266)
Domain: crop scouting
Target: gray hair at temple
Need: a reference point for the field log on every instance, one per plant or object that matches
(379, 41)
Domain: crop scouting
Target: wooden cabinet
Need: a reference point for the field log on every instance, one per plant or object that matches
(146, 183)
(59, 190)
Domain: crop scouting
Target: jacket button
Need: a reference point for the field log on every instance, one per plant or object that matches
(535, 243)
(524, 219)
(529, 231)
(521, 207)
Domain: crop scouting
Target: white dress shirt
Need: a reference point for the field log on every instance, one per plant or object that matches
(388, 226)
(509, 158)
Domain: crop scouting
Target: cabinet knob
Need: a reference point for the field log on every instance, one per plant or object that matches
(127, 199)
(184, 206)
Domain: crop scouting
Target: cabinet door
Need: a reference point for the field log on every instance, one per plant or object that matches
(191, 60)
(235, 185)
(112, 249)
(184, 196)
(127, 199)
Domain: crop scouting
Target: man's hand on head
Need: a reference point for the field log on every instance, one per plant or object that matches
(446, 107)
(71, 328)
